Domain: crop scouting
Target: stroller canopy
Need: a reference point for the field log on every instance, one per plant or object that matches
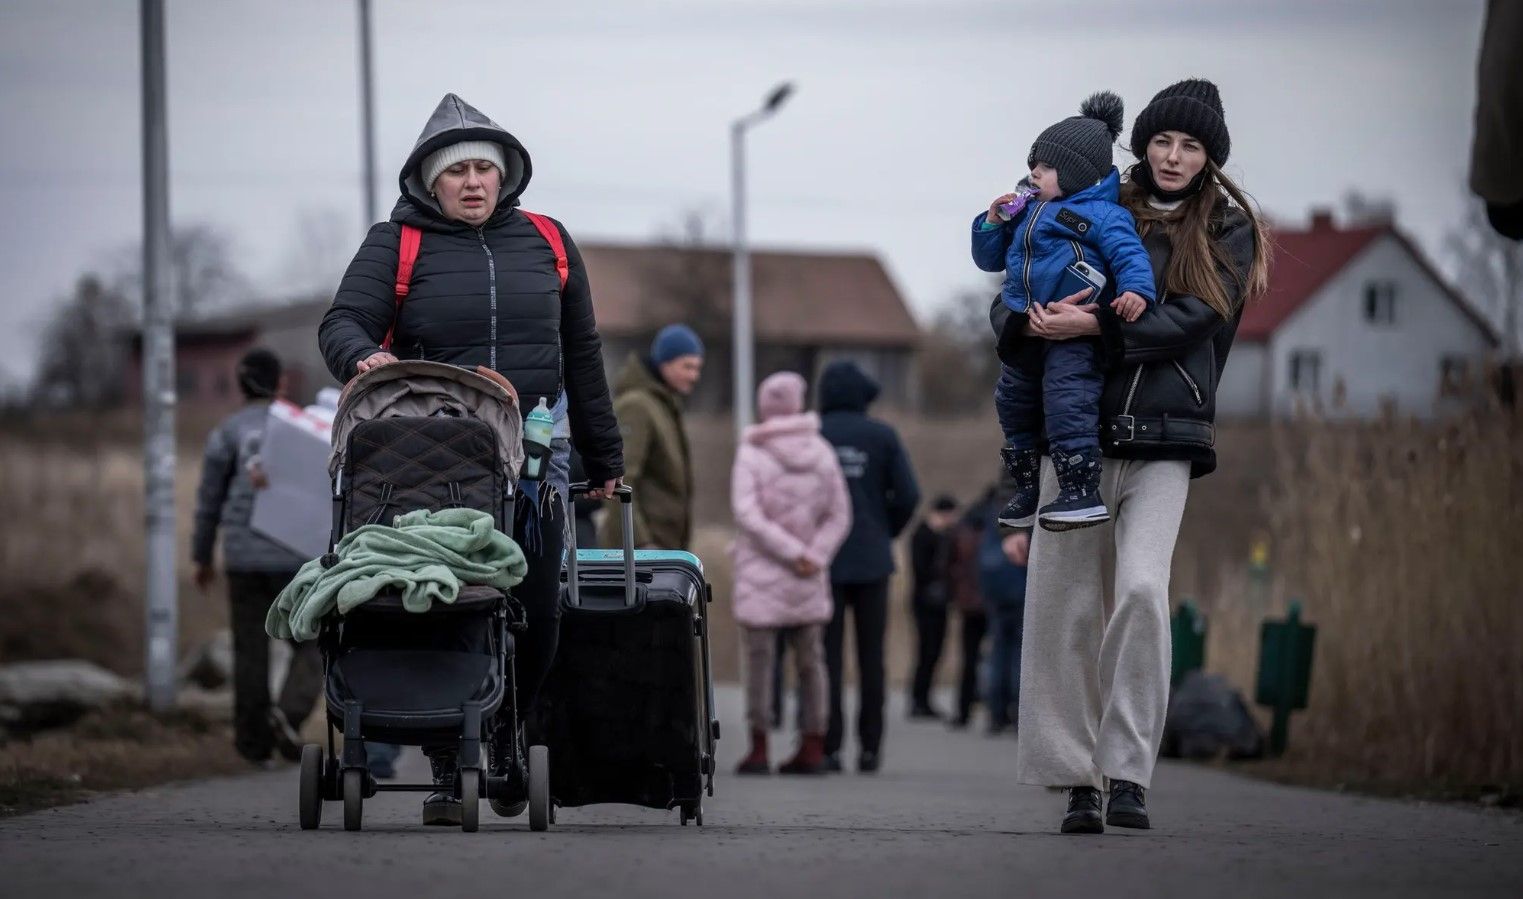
(419, 388)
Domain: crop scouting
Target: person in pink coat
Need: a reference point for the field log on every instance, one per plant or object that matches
(792, 513)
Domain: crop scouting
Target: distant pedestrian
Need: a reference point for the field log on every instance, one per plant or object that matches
(648, 401)
(968, 600)
(1002, 583)
(931, 550)
(884, 495)
(791, 514)
(257, 570)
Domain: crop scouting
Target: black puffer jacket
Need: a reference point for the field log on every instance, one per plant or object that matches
(1159, 400)
(480, 296)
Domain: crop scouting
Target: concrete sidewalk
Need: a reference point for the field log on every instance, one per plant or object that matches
(943, 818)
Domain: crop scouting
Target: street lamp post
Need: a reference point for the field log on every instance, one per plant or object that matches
(161, 601)
(743, 354)
(367, 119)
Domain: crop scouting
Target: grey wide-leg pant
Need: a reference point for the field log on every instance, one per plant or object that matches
(1095, 672)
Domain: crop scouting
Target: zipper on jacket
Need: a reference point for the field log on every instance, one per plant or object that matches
(1026, 269)
(1189, 381)
(1131, 392)
(491, 298)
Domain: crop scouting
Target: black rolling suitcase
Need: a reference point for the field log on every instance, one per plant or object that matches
(628, 710)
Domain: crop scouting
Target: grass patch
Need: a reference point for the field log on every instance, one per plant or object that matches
(123, 747)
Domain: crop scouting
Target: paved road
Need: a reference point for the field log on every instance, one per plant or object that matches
(942, 819)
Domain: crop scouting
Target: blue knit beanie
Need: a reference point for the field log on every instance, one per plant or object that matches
(674, 341)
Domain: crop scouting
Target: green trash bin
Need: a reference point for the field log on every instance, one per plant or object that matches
(1284, 681)
(1188, 630)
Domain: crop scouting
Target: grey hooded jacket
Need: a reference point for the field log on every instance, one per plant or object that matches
(480, 296)
(225, 499)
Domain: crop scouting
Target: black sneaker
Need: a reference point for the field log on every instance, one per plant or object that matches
(1078, 504)
(833, 763)
(868, 762)
(442, 807)
(1025, 466)
(1083, 811)
(1126, 808)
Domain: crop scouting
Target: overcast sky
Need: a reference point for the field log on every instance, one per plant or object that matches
(909, 116)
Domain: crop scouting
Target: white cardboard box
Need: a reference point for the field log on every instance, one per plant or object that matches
(296, 509)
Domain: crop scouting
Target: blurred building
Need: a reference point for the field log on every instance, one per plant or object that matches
(810, 309)
(1356, 321)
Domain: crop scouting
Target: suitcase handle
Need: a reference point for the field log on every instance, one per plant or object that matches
(626, 497)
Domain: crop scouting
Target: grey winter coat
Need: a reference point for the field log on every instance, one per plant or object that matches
(225, 498)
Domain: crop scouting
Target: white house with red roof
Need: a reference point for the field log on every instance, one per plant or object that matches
(1356, 321)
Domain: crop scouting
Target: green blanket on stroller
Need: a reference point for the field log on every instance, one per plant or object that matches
(427, 555)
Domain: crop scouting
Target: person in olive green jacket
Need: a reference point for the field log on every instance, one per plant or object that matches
(657, 464)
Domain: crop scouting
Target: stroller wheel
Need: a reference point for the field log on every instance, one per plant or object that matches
(539, 788)
(470, 799)
(354, 797)
(311, 807)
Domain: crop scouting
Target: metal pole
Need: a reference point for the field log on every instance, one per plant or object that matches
(744, 369)
(158, 373)
(367, 116)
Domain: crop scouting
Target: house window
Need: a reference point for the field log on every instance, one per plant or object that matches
(1453, 374)
(1305, 371)
(1380, 302)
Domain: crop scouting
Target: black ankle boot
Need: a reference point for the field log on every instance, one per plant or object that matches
(1083, 811)
(1078, 504)
(1025, 466)
(1126, 807)
(502, 757)
(442, 806)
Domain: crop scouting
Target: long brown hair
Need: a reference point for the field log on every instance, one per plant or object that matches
(1197, 260)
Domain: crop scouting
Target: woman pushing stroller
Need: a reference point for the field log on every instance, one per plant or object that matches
(489, 288)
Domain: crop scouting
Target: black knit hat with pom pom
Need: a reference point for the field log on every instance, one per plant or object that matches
(1079, 147)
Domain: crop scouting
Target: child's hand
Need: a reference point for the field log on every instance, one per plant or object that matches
(1129, 306)
(994, 216)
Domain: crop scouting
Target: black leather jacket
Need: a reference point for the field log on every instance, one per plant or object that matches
(1162, 370)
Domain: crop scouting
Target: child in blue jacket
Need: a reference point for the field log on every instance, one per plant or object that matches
(1066, 212)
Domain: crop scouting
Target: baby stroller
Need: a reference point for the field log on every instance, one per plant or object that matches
(407, 436)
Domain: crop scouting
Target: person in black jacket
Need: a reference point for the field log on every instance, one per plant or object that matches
(1095, 681)
(486, 292)
(883, 499)
(931, 550)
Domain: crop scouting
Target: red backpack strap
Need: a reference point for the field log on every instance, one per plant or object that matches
(552, 236)
(407, 254)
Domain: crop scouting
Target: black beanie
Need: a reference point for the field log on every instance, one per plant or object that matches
(1079, 147)
(1193, 106)
(259, 374)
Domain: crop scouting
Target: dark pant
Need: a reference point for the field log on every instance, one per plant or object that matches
(974, 624)
(539, 594)
(1058, 382)
(931, 635)
(869, 605)
(250, 594)
(1006, 620)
